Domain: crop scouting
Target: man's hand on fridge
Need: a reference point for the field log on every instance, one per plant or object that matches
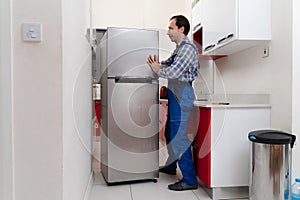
(153, 63)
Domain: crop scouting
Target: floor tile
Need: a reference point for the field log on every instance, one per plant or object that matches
(111, 192)
(201, 194)
(159, 191)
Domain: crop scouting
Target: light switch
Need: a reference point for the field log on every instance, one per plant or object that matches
(32, 32)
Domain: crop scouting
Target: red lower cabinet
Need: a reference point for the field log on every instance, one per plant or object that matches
(202, 146)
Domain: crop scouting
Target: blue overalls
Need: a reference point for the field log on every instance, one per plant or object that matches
(180, 101)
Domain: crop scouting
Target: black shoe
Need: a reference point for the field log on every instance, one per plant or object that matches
(180, 186)
(167, 171)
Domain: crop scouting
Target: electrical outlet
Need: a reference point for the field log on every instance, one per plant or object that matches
(265, 52)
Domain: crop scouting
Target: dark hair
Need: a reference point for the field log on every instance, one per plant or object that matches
(182, 21)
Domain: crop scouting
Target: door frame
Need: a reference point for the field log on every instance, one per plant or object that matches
(295, 89)
(6, 138)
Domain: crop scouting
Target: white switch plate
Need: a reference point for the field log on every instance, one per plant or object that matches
(32, 32)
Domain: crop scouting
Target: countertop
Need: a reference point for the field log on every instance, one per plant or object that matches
(207, 104)
(232, 101)
(229, 105)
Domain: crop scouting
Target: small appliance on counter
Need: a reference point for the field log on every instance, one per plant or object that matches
(163, 92)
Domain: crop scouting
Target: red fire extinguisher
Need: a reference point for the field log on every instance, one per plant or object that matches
(163, 92)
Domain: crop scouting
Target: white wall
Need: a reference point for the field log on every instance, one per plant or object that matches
(138, 13)
(37, 102)
(77, 100)
(51, 89)
(6, 167)
(296, 87)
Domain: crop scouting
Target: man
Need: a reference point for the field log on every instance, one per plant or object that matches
(180, 69)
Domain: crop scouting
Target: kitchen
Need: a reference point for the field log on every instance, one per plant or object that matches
(219, 85)
(273, 75)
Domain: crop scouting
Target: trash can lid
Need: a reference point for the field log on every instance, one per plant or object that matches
(272, 137)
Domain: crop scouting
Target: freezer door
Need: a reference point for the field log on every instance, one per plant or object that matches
(132, 131)
(128, 49)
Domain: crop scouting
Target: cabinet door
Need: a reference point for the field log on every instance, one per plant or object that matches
(255, 26)
(210, 24)
(197, 17)
(219, 22)
(230, 144)
(226, 25)
(202, 147)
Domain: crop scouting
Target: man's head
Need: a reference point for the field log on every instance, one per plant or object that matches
(178, 28)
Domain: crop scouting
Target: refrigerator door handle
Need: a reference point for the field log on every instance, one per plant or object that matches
(129, 79)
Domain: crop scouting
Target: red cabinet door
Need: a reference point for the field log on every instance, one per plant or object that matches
(202, 147)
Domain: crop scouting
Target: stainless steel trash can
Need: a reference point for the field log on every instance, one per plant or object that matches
(271, 157)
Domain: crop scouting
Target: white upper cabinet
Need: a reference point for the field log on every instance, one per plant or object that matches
(196, 22)
(230, 26)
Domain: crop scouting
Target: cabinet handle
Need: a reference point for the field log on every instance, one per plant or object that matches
(226, 38)
(209, 47)
(221, 40)
(230, 35)
(196, 27)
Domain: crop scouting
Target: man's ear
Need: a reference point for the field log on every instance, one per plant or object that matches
(181, 29)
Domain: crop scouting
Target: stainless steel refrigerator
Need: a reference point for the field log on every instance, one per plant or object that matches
(129, 105)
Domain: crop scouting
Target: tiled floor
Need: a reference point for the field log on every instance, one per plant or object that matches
(141, 190)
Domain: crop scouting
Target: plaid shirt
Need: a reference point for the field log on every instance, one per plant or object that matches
(183, 65)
